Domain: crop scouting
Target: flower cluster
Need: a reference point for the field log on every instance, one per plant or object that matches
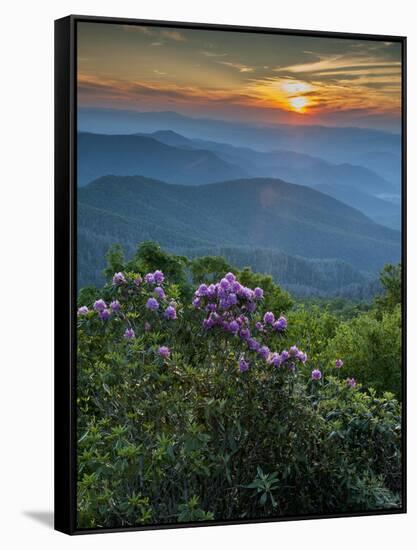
(103, 310)
(230, 306)
(224, 298)
(316, 374)
(164, 352)
(351, 382)
(83, 310)
(243, 365)
(119, 279)
(149, 287)
(129, 334)
(155, 278)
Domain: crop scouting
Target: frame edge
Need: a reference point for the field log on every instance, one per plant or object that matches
(64, 481)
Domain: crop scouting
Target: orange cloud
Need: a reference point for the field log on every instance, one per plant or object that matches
(332, 62)
(369, 94)
(88, 84)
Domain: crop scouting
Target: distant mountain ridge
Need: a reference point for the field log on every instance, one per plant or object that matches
(381, 211)
(289, 165)
(171, 157)
(334, 144)
(100, 154)
(259, 213)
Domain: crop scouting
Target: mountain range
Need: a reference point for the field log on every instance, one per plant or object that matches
(174, 158)
(316, 207)
(100, 155)
(263, 217)
(291, 166)
(365, 147)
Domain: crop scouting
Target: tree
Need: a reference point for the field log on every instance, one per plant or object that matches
(115, 261)
(276, 299)
(208, 269)
(390, 278)
(149, 256)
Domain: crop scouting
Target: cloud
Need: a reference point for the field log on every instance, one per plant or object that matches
(368, 93)
(341, 82)
(213, 54)
(337, 87)
(174, 35)
(335, 62)
(155, 44)
(359, 72)
(89, 85)
(239, 66)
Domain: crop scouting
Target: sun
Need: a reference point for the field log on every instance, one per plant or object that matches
(298, 103)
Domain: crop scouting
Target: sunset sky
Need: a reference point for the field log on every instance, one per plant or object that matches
(259, 78)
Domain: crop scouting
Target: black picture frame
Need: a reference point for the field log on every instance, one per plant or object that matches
(66, 268)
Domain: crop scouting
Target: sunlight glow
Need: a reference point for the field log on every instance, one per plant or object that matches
(295, 87)
(298, 103)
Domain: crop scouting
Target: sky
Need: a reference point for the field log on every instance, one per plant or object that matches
(259, 78)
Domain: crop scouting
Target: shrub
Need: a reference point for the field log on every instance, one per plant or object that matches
(191, 412)
(371, 349)
(312, 329)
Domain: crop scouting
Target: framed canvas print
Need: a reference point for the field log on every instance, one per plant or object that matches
(230, 282)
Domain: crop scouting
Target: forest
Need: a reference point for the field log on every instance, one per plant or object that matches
(311, 243)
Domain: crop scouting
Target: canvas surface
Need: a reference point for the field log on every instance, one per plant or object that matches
(239, 275)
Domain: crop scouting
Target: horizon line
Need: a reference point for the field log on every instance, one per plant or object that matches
(240, 122)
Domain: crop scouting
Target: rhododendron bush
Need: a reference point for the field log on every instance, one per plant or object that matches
(197, 405)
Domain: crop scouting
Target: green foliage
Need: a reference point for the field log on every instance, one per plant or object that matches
(312, 330)
(88, 295)
(371, 349)
(206, 220)
(208, 269)
(168, 431)
(342, 308)
(190, 438)
(149, 256)
(276, 299)
(190, 511)
(362, 423)
(391, 281)
(115, 258)
(265, 485)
